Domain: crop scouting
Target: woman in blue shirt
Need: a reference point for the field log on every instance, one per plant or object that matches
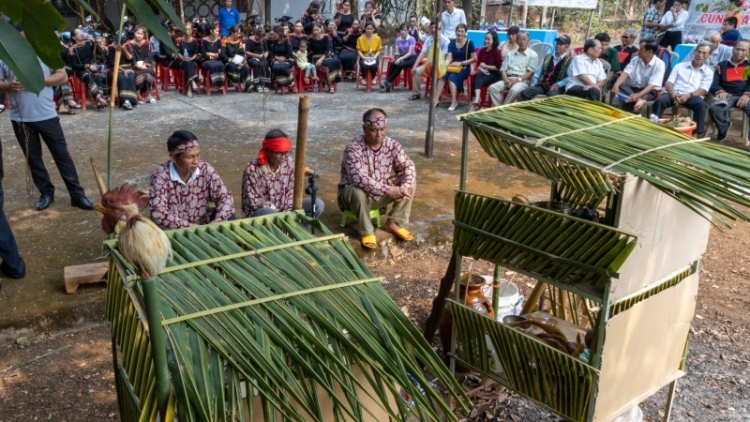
(460, 54)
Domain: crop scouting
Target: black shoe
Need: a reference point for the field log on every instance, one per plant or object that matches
(44, 202)
(82, 203)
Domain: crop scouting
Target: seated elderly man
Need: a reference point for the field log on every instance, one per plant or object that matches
(516, 72)
(268, 182)
(586, 75)
(183, 187)
(628, 49)
(642, 78)
(686, 86)
(720, 51)
(551, 73)
(366, 180)
(730, 89)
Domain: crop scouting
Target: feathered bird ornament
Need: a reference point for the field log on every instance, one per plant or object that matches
(140, 241)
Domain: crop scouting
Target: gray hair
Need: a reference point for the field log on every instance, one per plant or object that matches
(523, 31)
(708, 44)
(631, 32)
(710, 34)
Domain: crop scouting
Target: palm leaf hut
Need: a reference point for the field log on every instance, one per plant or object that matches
(630, 276)
(264, 321)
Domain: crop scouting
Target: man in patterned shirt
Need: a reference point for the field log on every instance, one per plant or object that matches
(183, 188)
(366, 180)
(268, 182)
(651, 19)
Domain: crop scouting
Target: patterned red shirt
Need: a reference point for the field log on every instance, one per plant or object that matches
(371, 170)
(261, 189)
(175, 205)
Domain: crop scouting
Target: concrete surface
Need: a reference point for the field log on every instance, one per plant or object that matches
(230, 129)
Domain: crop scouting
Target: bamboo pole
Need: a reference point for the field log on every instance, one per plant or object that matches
(429, 141)
(99, 182)
(112, 95)
(299, 158)
(158, 345)
(591, 21)
(182, 12)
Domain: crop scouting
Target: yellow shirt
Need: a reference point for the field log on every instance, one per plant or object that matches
(364, 45)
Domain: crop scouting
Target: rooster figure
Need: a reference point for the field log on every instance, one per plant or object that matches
(140, 241)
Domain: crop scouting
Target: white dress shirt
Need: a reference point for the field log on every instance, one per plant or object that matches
(641, 75)
(686, 79)
(175, 177)
(451, 21)
(678, 21)
(584, 65)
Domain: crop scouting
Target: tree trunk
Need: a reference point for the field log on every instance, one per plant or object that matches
(449, 279)
(544, 17)
(267, 9)
(525, 14)
(468, 11)
(354, 7)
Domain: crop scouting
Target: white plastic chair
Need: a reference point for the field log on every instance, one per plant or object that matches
(542, 49)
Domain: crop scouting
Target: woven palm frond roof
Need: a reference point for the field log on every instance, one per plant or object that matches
(589, 147)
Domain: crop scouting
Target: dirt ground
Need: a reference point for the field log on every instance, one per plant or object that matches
(55, 349)
(67, 376)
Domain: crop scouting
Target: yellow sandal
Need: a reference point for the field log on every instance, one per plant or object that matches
(369, 241)
(402, 234)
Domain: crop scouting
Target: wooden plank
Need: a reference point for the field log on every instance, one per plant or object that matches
(76, 275)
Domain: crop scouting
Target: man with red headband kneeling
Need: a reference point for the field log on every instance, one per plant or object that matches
(183, 188)
(366, 180)
(268, 182)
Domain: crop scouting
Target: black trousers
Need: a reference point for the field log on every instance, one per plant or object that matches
(671, 39)
(12, 264)
(696, 104)
(50, 131)
(629, 90)
(481, 80)
(396, 69)
(589, 94)
(538, 89)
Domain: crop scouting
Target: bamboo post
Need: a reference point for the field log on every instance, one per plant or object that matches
(182, 12)
(299, 158)
(429, 140)
(591, 21)
(99, 182)
(496, 280)
(158, 345)
(113, 91)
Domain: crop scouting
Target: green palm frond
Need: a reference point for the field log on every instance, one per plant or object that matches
(261, 305)
(537, 241)
(589, 146)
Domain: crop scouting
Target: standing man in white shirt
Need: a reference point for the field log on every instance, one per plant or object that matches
(517, 72)
(586, 75)
(673, 22)
(451, 17)
(641, 80)
(686, 86)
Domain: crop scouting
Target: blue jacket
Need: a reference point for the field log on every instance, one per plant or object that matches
(228, 18)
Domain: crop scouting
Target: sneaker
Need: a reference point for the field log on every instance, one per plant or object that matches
(190, 92)
(388, 87)
(722, 136)
(126, 105)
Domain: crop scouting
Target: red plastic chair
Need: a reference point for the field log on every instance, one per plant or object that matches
(577, 51)
(300, 85)
(208, 84)
(79, 90)
(369, 81)
(403, 77)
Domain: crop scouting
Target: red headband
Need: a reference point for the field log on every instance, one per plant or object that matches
(273, 145)
(179, 149)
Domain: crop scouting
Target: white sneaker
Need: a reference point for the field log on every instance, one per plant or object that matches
(126, 105)
(190, 92)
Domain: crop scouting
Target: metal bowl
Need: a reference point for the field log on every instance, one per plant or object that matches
(561, 207)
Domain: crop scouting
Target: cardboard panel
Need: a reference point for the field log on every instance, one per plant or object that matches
(378, 414)
(643, 348)
(671, 236)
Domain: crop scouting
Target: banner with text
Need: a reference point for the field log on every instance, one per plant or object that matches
(706, 15)
(572, 4)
